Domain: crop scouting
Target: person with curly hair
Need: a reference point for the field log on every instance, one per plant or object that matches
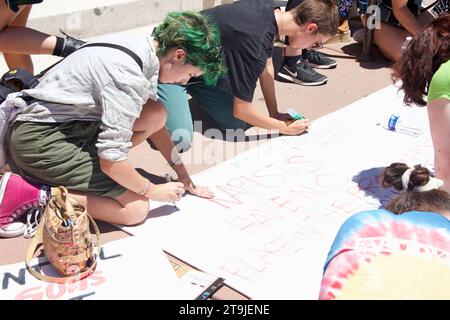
(89, 110)
(424, 70)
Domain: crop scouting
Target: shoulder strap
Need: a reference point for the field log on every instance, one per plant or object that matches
(118, 47)
(101, 44)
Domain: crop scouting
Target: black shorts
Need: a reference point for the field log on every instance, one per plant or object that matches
(14, 4)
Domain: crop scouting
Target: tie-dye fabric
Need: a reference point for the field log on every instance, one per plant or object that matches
(379, 255)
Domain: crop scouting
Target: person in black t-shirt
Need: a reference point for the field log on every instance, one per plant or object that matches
(17, 41)
(300, 62)
(248, 29)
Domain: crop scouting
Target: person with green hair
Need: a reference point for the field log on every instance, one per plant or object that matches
(247, 32)
(86, 113)
(202, 46)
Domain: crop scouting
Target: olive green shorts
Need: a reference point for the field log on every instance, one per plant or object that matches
(61, 154)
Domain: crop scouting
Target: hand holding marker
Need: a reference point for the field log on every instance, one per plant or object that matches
(296, 124)
(168, 179)
(294, 114)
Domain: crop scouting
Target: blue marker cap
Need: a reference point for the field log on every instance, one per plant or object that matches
(393, 121)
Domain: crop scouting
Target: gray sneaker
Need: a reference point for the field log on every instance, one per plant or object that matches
(319, 60)
(302, 74)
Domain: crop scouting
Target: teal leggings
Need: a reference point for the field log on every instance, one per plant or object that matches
(212, 106)
(179, 121)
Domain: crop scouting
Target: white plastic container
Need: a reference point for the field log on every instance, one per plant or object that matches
(401, 123)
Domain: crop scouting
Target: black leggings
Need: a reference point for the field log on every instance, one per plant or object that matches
(14, 4)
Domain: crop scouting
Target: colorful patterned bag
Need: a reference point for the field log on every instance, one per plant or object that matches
(64, 231)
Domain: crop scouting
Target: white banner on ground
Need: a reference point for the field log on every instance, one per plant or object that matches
(278, 206)
(131, 268)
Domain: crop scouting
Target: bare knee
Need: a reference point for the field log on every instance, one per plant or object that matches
(135, 213)
(134, 208)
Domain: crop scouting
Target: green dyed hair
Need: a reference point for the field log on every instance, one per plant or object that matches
(199, 38)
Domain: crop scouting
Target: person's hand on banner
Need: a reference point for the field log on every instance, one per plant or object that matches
(199, 191)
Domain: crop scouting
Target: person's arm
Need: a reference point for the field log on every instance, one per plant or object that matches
(267, 82)
(124, 174)
(122, 92)
(405, 16)
(164, 144)
(439, 118)
(246, 112)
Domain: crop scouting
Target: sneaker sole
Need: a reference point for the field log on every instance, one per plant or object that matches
(16, 229)
(321, 66)
(295, 80)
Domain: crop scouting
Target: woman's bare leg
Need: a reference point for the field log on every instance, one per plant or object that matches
(127, 209)
(390, 39)
(13, 27)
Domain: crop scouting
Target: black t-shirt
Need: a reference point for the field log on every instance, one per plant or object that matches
(247, 29)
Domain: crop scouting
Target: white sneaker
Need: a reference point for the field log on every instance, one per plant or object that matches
(13, 230)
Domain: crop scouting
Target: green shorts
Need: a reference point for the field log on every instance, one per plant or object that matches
(61, 154)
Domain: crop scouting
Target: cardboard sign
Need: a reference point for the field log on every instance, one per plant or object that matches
(130, 268)
(278, 206)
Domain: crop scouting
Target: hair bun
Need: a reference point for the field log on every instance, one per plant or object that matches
(392, 176)
(419, 177)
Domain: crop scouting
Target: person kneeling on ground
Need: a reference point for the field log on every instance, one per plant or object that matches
(299, 63)
(247, 29)
(90, 109)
